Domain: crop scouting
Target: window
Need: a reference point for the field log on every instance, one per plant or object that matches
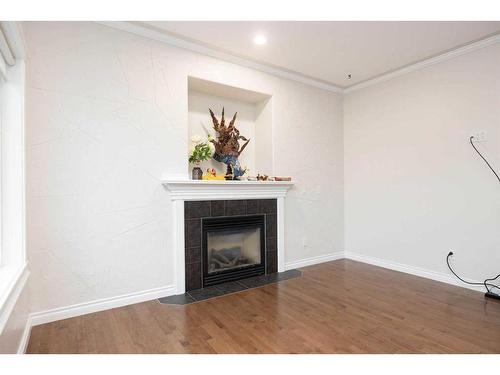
(13, 268)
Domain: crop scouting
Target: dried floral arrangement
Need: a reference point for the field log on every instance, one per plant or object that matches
(227, 145)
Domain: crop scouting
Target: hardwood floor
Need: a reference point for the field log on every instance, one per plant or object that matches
(336, 307)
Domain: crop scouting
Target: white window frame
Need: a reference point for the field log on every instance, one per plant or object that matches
(14, 271)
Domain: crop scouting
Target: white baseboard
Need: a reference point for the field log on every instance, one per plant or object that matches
(25, 338)
(314, 260)
(417, 271)
(13, 291)
(48, 316)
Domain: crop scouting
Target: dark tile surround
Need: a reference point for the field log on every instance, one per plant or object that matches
(194, 211)
(227, 288)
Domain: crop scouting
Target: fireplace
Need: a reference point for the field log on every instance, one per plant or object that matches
(193, 201)
(233, 248)
(228, 240)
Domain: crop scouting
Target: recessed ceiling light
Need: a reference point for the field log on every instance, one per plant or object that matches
(260, 39)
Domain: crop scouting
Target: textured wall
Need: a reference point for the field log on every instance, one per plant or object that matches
(414, 187)
(107, 121)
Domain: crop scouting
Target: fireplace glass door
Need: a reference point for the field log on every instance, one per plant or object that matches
(233, 248)
(229, 249)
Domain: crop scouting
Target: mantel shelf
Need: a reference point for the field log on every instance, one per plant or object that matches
(213, 190)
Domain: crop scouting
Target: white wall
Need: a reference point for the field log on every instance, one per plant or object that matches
(107, 116)
(414, 187)
(264, 154)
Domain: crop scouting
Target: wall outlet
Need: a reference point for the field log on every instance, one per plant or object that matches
(304, 242)
(479, 136)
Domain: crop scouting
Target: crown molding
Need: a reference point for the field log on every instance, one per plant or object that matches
(163, 37)
(425, 63)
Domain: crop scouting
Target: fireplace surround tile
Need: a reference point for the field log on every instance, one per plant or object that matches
(217, 208)
(271, 224)
(193, 276)
(193, 255)
(195, 211)
(193, 230)
(238, 207)
(271, 243)
(261, 206)
(253, 206)
(271, 262)
(268, 206)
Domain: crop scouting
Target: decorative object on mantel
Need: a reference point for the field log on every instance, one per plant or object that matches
(211, 175)
(201, 152)
(227, 146)
(268, 178)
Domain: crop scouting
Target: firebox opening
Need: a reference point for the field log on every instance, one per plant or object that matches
(233, 248)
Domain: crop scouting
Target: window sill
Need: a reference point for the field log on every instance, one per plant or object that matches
(12, 282)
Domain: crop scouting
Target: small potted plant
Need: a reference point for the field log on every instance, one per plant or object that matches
(201, 152)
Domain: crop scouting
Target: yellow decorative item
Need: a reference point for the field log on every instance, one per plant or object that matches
(211, 175)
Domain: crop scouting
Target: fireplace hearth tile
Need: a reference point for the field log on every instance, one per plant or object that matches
(253, 282)
(180, 299)
(290, 274)
(229, 288)
(206, 293)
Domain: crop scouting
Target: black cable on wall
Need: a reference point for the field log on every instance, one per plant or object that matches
(486, 282)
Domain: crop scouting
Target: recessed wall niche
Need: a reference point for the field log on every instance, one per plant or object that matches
(254, 120)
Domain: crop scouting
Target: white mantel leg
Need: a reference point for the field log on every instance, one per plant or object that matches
(281, 233)
(178, 244)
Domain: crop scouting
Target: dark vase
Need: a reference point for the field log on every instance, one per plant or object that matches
(197, 173)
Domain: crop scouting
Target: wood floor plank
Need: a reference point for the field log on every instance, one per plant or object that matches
(336, 307)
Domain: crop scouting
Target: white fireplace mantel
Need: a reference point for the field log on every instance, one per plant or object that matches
(193, 190)
(214, 190)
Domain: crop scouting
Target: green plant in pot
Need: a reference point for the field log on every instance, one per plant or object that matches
(201, 152)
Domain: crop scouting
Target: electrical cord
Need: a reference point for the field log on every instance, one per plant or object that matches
(482, 157)
(485, 283)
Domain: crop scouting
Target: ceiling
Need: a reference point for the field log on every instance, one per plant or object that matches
(330, 51)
